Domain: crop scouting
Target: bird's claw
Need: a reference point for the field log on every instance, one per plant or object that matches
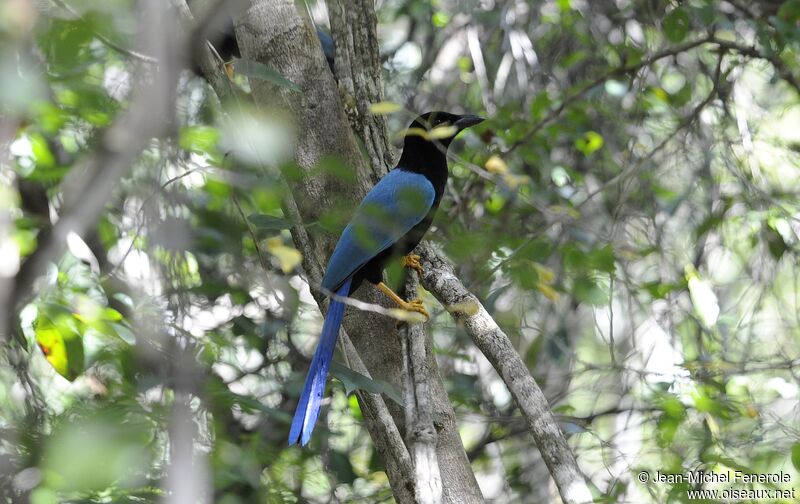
(415, 305)
(412, 261)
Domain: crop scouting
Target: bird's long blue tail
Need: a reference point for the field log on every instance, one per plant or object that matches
(305, 416)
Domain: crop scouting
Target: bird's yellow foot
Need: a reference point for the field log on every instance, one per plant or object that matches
(415, 305)
(229, 71)
(412, 261)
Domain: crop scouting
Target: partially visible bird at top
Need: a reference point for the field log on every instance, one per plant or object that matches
(223, 38)
(389, 223)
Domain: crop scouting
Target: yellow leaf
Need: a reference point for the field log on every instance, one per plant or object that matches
(468, 308)
(547, 291)
(383, 108)
(420, 132)
(62, 347)
(495, 164)
(437, 133)
(406, 316)
(544, 273)
(288, 257)
(514, 181)
(440, 132)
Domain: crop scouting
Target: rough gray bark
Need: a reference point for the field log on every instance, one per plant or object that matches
(358, 72)
(496, 346)
(273, 32)
(420, 431)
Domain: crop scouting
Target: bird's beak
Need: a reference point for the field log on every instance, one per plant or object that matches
(466, 121)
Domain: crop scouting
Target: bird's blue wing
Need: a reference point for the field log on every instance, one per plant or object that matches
(390, 210)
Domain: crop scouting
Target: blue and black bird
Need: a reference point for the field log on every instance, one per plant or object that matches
(388, 223)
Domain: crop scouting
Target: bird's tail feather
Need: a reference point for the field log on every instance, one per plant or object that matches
(305, 416)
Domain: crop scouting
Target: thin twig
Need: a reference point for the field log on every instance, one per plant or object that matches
(261, 258)
(107, 41)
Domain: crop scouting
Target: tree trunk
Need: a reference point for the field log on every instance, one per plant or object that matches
(273, 32)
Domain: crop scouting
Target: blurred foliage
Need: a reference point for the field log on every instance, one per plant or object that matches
(629, 215)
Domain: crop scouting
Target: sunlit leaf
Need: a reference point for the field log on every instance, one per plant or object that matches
(384, 108)
(41, 152)
(288, 257)
(495, 164)
(199, 138)
(440, 132)
(703, 297)
(440, 19)
(590, 142)
(62, 346)
(548, 291)
(468, 308)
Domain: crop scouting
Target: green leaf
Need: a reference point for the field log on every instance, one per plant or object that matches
(440, 19)
(603, 259)
(789, 13)
(61, 345)
(676, 25)
(41, 152)
(341, 466)
(111, 315)
(590, 142)
(268, 224)
(356, 381)
(256, 70)
(586, 290)
(201, 139)
(796, 456)
(658, 290)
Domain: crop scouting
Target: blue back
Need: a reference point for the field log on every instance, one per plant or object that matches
(326, 41)
(390, 210)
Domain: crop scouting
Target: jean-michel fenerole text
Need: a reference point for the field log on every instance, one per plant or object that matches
(734, 477)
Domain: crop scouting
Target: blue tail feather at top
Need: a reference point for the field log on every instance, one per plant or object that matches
(307, 412)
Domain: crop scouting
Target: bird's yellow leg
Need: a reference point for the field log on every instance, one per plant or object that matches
(415, 305)
(229, 71)
(412, 261)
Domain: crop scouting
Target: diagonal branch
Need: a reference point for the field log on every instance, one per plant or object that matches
(466, 309)
(420, 430)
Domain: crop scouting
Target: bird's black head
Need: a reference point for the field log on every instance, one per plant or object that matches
(427, 138)
(442, 127)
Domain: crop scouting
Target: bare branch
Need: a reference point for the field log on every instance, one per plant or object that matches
(420, 431)
(569, 101)
(466, 309)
